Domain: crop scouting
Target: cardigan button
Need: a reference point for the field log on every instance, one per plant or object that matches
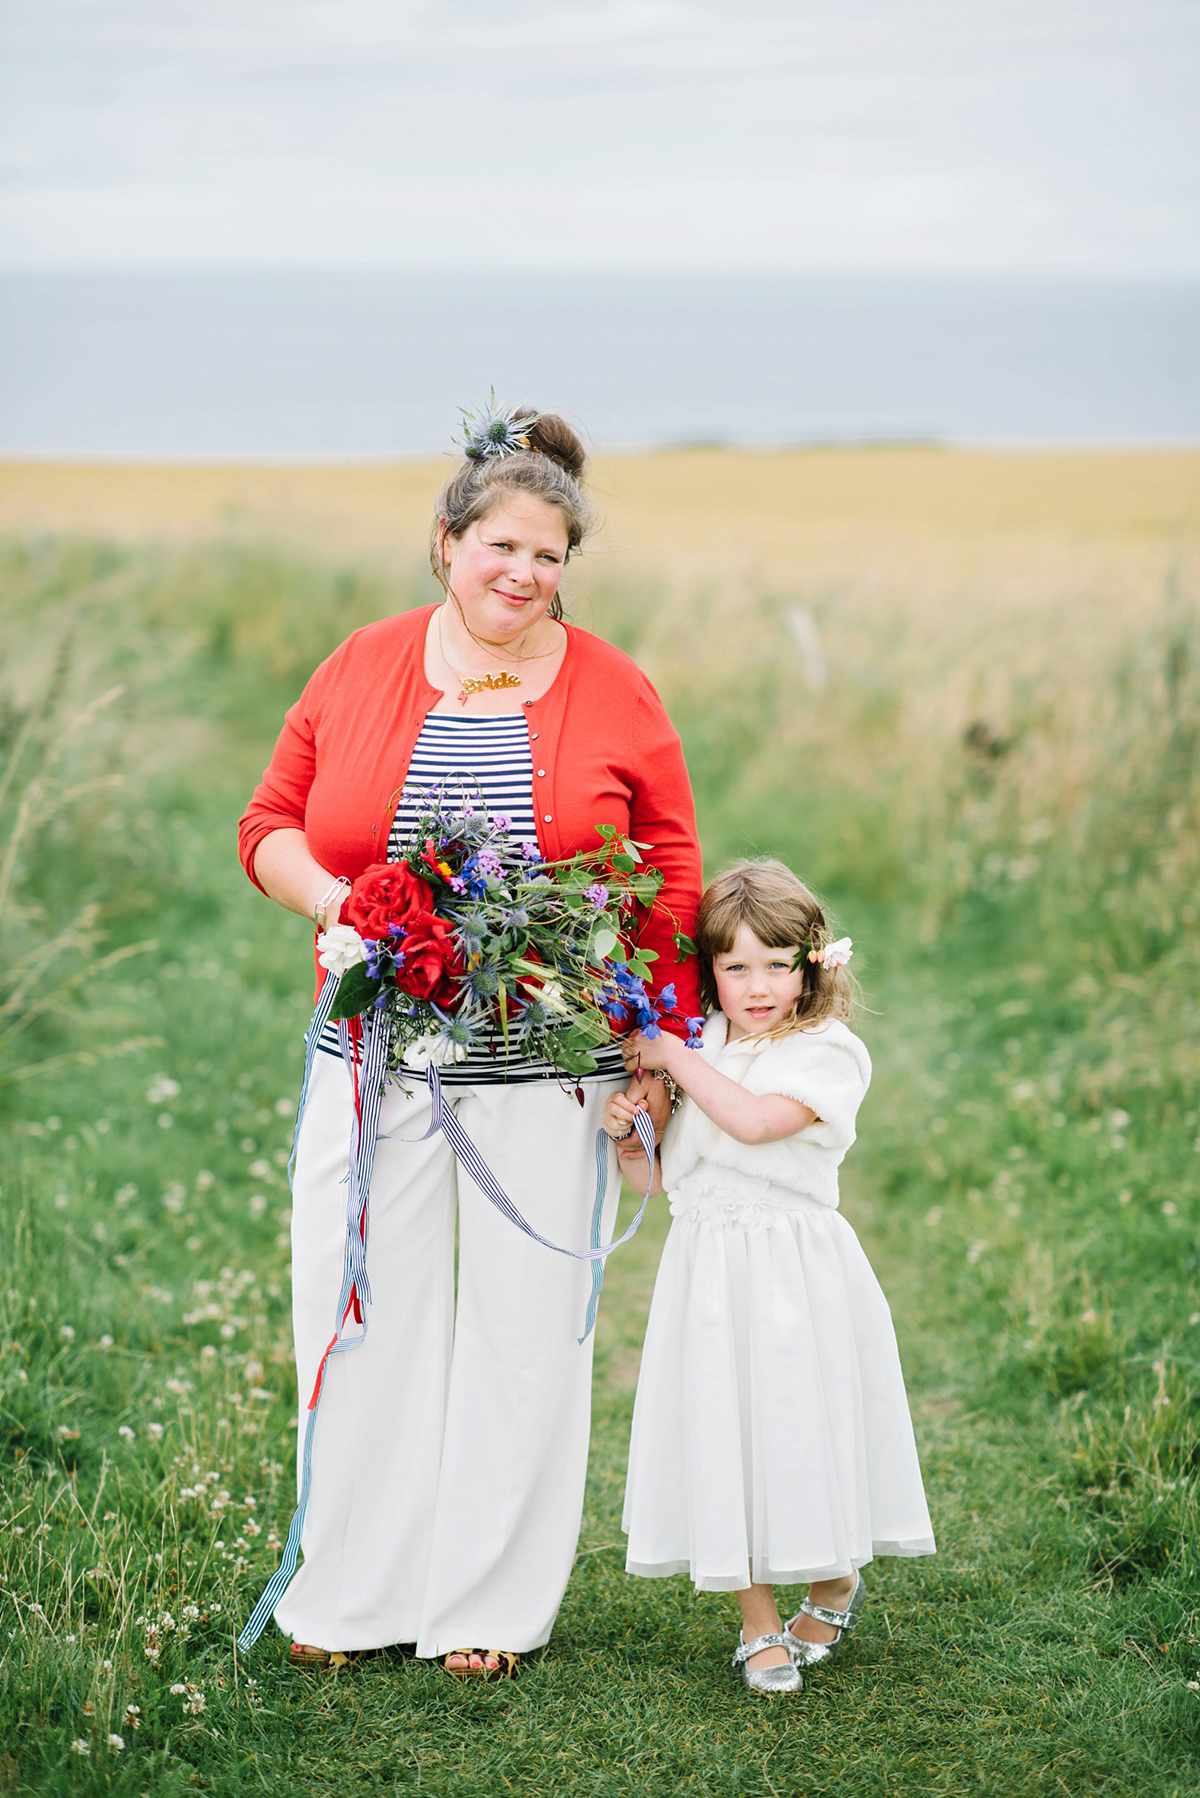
(541, 774)
(533, 736)
(547, 819)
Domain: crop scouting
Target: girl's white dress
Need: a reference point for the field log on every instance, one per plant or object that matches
(771, 1433)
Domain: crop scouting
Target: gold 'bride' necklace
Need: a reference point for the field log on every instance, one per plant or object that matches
(483, 683)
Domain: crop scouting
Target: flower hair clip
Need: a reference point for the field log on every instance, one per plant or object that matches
(495, 432)
(833, 955)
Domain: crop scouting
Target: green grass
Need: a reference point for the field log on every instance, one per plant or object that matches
(1026, 1184)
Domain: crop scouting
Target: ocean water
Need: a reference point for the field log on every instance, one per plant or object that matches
(371, 364)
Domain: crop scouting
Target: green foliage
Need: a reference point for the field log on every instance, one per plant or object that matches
(355, 993)
(1026, 1183)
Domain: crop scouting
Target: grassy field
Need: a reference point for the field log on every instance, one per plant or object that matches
(964, 698)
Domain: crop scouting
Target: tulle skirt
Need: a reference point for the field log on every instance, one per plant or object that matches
(771, 1433)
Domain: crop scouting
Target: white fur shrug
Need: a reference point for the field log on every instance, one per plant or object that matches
(825, 1068)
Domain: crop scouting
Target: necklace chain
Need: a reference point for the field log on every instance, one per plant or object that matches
(491, 682)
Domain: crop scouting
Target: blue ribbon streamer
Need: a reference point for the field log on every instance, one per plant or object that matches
(364, 1136)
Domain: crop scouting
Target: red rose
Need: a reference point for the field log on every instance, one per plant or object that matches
(431, 960)
(386, 893)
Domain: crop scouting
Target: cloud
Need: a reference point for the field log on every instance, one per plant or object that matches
(1039, 134)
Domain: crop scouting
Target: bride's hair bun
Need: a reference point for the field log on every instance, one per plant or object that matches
(553, 436)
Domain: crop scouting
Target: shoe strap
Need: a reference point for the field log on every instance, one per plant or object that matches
(838, 1619)
(746, 1649)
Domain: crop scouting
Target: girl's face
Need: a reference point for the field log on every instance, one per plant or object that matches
(756, 988)
(504, 570)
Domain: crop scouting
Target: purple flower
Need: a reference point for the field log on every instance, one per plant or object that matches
(694, 1029)
(596, 895)
(503, 823)
(489, 864)
(531, 852)
(667, 997)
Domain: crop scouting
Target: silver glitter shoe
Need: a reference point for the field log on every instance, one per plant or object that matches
(812, 1654)
(767, 1679)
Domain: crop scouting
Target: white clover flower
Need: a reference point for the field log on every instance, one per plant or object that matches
(178, 1689)
(67, 1333)
(155, 1430)
(340, 948)
(435, 1050)
(115, 1741)
(836, 955)
(81, 1746)
(126, 1433)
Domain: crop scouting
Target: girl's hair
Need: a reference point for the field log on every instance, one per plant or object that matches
(783, 914)
(550, 470)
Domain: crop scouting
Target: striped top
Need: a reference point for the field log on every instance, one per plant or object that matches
(492, 757)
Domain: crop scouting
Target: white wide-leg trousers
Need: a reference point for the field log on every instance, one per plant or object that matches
(450, 1449)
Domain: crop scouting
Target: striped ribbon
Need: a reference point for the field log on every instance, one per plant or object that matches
(364, 1044)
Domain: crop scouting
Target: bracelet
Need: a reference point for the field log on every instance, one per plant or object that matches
(321, 908)
(624, 1136)
(672, 1089)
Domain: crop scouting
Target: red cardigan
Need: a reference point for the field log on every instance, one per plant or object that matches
(604, 752)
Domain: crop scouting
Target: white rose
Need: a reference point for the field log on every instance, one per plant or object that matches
(436, 1049)
(836, 955)
(340, 948)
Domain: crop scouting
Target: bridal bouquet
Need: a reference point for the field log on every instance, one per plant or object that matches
(471, 941)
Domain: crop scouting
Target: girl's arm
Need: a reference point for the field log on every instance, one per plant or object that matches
(747, 1117)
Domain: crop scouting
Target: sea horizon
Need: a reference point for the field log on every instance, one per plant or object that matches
(371, 365)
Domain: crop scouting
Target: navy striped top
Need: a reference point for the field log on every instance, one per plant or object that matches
(492, 757)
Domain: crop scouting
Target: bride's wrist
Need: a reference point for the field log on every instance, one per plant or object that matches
(326, 907)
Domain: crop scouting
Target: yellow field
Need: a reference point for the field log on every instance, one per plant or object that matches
(949, 566)
(782, 514)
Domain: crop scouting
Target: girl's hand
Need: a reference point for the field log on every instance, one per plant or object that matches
(619, 1113)
(646, 1051)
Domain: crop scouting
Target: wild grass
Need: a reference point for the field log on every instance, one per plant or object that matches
(1017, 864)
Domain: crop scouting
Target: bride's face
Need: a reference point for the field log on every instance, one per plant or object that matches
(504, 570)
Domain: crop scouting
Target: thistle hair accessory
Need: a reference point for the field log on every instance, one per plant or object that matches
(833, 955)
(494, 432)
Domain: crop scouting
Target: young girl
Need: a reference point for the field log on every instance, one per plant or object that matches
(771, 1436)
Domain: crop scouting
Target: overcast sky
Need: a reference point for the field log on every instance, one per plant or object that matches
(1020, 135)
